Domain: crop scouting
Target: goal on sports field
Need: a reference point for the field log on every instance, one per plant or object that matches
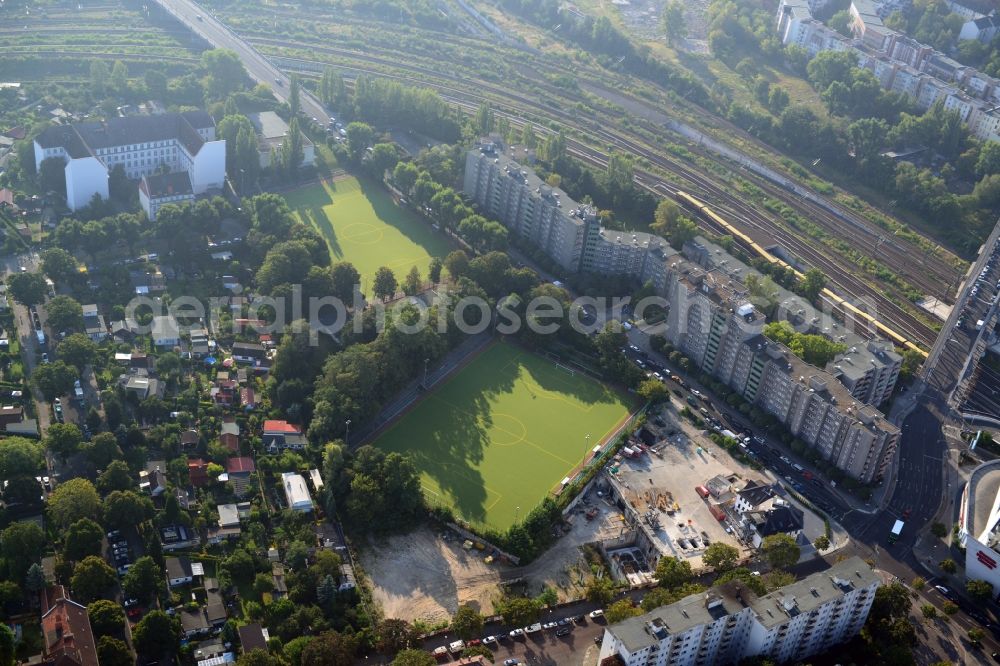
(571, 371)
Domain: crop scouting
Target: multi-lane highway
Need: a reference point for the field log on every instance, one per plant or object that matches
(260, 69)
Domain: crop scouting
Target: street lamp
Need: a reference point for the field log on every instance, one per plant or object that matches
(347, 435)
(426, 360)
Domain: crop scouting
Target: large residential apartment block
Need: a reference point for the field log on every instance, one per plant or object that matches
(544, 216)
(711, 316)
(729, 623)
(532, 210)
(868, 368)
(144, 146)
(713, 321)
(900, 63)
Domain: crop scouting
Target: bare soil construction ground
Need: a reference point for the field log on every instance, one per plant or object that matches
(420, 576)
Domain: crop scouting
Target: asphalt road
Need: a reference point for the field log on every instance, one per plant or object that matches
(260, 69)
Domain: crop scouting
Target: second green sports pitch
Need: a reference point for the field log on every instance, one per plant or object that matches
(503, 431)
(363, 225)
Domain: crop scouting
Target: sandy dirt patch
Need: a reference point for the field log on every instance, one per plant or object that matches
(419, 576)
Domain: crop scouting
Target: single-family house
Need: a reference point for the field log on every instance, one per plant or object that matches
(253, 637)
(215, 605)
(210, 649)
(230, 435)
(166, 331)
(279, 435)
(198, 472)
(177, 537)
(93, 323)
(224, 392)
(11, 414)
(190, 438)
(153, 482)
(983, 29)
(278, 576)
(229, 515)
(780, 518)
(199, 342)
(753, 497)
(240, 466)
(121, 331)
(229, 524)
(178, 571)
(141, 385)
(194, 622)
(249, 352)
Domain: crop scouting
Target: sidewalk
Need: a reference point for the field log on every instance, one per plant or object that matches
(415, 390)
(929, 549)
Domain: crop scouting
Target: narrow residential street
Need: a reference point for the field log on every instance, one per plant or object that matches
(29, 343)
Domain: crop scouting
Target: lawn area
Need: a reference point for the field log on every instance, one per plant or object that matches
(503, 431)
(362, 225)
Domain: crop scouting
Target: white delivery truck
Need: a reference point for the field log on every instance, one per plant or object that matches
(897, 529)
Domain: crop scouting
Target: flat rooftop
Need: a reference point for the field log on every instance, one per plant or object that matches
(802, 596)
(650, 628)
(813, 591)
(799, 311)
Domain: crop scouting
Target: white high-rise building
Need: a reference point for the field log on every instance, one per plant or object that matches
(729, 623)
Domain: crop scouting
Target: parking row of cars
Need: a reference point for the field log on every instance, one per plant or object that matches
(981, 295)
(561, 629)
(755, 446)
(120, 552)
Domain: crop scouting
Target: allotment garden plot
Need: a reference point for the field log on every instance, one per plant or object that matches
(362, 224)
(504, 431)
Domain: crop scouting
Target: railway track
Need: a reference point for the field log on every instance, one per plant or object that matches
(861, 239)
(844, 281)
(919, 333)
(869, 234)
(101, 56)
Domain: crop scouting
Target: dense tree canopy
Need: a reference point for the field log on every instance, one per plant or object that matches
(92, 579)
(19, 456)
(21, 544)
(157, 634)
(82, 539)
(780, 550)
(106, 617)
